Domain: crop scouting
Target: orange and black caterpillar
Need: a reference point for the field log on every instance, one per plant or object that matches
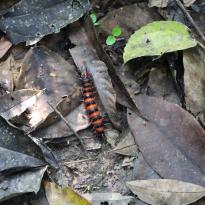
(90, 103)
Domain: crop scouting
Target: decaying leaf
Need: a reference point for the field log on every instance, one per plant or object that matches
(158, 38)
(46, 70)
(77, 119)
(129, 18)
(158, 3)
(127, 145)
(166, 191)
(31, 19)
(171, 141)
(15, 103)
(105, 89)
(6, 76)
(194, 80)
(20, 183)
(108, 198)
(142, 170)
(161, 85)
(17, 151)
(4, 46)
(63, 196)
(188, 3)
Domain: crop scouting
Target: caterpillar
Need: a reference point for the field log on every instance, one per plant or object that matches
(91, 107)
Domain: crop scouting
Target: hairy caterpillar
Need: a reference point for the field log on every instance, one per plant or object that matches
(90, 103)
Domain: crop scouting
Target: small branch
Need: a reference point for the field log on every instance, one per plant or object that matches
(78, 161)
(191, 20)
(66, 122)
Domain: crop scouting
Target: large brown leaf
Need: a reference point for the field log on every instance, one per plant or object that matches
(44, 69)
(172, 141)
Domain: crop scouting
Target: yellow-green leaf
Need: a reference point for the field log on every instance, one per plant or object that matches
(63, 196)
(158, 38)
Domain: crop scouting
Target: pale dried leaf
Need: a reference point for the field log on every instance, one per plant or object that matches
(4, 46)
(15, 103)
(158, 3)
(194, 80)
(77, 119)
(108, 198)
(127, 146)
(188, 3)
(166, 191)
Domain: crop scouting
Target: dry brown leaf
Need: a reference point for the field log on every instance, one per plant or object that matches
(171, 141)
(6, 75)
(63, 196)
(4, 46)
(46, 70)
(129, 18)
(188, 3)
(77, 119)
(158, 3)
(194, 80)
(166, 191)
(127, 146)
(15, 103)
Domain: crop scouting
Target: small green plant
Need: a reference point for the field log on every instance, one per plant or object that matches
(111, 39)
(93, 17)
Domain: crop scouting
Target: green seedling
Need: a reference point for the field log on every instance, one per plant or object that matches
(111, 39)
(93, 17)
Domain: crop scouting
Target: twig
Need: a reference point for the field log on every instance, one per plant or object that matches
(191, 20)
(79, 161)
(66, 122)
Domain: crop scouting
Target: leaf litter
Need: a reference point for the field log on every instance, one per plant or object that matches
(169, 139)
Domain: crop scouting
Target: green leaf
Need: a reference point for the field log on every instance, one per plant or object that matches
(116, 31)
(110, 40)
(157, 38)
(93, 17)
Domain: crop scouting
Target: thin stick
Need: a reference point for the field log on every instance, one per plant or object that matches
(191, 20)
(79, 161)
(66, 122)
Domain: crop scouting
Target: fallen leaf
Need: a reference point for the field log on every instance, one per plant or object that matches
(62, 93)
(15, 103)
(20, 183)
(108, 198)
(166, 191)
(34, 19)
(5, 5)
(77, 119)
(127, 145)
(17, 151)
(128, 18)
(158, 38)
(188, 3)
(171, 141)
(105, 89)
(63, 196)
(4, 46)
(6, 75)
(161, 85)
(194, 80)
(142, 170)
(158, 3)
